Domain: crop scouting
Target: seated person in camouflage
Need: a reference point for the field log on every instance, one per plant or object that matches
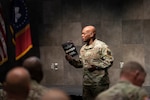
(55, 94)
(129, 87)
(17, 85)
(34, 67)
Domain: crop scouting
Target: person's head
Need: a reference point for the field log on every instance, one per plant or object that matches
(88, 33)
(55, 94)
(34, 66)
(17, 83)
(134, 72)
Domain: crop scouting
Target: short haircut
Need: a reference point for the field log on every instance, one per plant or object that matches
(34, 66)
(131, 67)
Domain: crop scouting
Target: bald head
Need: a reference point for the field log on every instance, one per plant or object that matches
(34, 66)
(89, 29)
(55, 94)
(88, 34)
(17, 82)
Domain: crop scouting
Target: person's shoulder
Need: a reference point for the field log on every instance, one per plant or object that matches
(113, 93)
(37, 87)
(135, 92)
(100, 43)
(37, 91)
(143, 94)
(129, 87)
(124, 89)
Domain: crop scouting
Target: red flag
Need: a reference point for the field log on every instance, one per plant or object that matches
(20, 27)
(3, 47)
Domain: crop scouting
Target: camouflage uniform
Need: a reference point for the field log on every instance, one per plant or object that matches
(94, 80)
(123, 90)
(36, 91)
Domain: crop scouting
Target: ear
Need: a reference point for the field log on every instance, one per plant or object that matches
(92, 34)
(137, 73)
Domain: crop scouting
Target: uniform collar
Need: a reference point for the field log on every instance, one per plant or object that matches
(87, 47)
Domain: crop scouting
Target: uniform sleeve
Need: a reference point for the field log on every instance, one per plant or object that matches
(76, 63)
(106, 59)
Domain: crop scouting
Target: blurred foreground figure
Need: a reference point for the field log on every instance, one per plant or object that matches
(34, 67)
(55, 94)
(17, 84)
(129, 87)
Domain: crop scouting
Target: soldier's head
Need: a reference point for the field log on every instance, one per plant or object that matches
(134, 72)
(88, 33)
(17, 84)
(34, 66)
(55, 94)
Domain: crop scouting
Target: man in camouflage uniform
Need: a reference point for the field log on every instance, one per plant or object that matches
(95, 58)
(34, 67)
(129, 87)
